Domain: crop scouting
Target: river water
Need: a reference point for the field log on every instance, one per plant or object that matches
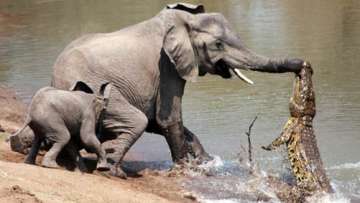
(327, 33)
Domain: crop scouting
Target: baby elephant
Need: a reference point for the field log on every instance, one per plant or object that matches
(65, 118)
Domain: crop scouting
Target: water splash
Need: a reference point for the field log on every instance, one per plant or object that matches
(231, 181)
(217, 162)
(326, 198)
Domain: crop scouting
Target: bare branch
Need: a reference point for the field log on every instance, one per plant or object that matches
(248, 133)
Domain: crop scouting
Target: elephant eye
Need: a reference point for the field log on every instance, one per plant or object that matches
(219, 45)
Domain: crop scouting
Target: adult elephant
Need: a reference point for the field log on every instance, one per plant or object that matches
(149, 64)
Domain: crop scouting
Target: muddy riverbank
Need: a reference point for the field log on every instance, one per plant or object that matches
(26, 183)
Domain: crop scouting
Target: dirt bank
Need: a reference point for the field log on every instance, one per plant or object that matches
(12, 116)
(26, 183)
(12, 110)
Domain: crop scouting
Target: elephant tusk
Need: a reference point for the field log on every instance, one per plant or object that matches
(242, 76)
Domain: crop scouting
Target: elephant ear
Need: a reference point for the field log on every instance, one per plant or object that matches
(191, 8)
(105, 90)
(81, 86)
(177, 46)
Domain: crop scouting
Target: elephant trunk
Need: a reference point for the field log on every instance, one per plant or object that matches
(264, 64)
(244, 58)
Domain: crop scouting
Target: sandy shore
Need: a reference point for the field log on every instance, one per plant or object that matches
(26, 183)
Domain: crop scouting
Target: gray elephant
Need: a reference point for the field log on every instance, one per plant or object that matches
(67, 119)
(149, 64)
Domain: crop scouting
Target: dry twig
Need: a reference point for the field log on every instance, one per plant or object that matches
(248, 133)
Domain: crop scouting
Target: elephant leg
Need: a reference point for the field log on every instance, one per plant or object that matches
(94, 144)
(31, 158)
(74, 154)
(127, 123)
(175, 138)
(195, 148)
(193, 145)
(89, 139)
(61, 137)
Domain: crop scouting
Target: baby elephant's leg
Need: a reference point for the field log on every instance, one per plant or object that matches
(60, 136)
(31, 158)
(73, 152)
(89, 139)
(92, 142)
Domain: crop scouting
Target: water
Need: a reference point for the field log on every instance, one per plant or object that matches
(327, 33)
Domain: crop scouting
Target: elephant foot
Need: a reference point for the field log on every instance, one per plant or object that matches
(117, 172)
(31, 162)
(82, 166)
(204, 158)
(199, 154)
(49, 164)
(102, 166)
(197, 159)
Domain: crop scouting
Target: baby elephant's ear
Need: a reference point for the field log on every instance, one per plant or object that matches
(105, 90)
(194, 9)
(81, 86)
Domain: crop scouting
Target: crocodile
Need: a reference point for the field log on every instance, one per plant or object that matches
(298, 135)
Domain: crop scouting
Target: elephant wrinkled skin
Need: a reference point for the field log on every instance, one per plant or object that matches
(149, 64)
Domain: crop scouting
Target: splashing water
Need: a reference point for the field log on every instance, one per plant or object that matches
(334, 198)
(346, 178)
(230, 181)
